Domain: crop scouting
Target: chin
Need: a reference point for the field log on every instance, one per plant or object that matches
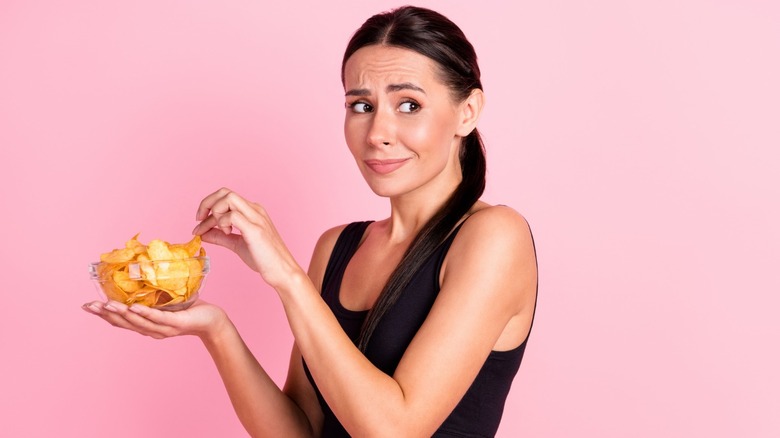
(386, 189)
(383, 191)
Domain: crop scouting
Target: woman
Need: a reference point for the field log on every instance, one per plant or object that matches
(449, 280)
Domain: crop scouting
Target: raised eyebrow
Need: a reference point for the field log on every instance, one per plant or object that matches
(404, 86)
(390, 89)
(358, 92)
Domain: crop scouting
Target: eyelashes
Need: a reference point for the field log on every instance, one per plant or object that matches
(408, 106)
(360, 107)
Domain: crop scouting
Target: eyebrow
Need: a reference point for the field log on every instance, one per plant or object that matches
(390, 89)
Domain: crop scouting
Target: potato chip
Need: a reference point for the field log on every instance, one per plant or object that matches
(165, 298)
(143, 295)
(113, 292)
(118, 256)
(159, 250)
(192, 247)
(176, 300)
(135, 245)
(179, 253)
(147, 269)
(147, 298)
(157, 275)
(172, 275)
(122, 279)
(144, 291)
(105, 271)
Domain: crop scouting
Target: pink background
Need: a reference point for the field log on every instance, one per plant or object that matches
(640, 139)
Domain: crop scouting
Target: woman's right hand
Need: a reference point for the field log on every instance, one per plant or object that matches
(201, 319)
(244, 227)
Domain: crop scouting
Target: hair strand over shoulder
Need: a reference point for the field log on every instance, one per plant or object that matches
(433, 35)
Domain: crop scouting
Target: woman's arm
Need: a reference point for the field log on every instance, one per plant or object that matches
(254, 402)
(261, 406)
(263, 409)
(489, 279)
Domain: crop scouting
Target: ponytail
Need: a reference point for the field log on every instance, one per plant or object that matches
(433, 35)
(433, 233)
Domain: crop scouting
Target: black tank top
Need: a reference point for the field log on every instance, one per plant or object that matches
(479, 412)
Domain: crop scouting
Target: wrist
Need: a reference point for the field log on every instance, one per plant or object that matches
(294, 280)
(297, 286)
(217, 330)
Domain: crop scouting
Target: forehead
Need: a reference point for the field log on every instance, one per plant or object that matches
(388, 65)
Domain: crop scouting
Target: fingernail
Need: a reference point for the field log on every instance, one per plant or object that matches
(110, 308)
(196, 227)
(135, 308)
(90, 308)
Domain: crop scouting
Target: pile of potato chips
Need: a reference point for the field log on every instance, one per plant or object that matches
(156, 275)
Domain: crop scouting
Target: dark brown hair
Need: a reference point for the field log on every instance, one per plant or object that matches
(433, 35)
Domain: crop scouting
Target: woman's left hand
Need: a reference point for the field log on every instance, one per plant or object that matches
(257, 242)
(201, 319)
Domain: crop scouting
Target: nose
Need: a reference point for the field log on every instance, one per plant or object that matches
(382, 129)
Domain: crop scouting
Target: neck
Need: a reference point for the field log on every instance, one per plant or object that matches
(411, 211)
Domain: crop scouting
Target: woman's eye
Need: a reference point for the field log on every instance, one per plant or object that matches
(409, 107)
(361, 107)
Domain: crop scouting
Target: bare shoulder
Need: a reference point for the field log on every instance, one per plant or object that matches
(322, 251)
(493, 247)
(328, 239)
(498, 225)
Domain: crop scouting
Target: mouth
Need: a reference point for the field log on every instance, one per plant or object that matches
(384, 167)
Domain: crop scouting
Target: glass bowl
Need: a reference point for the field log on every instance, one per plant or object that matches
(161, 284)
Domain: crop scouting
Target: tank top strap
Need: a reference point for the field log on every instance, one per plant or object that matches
(345, 247)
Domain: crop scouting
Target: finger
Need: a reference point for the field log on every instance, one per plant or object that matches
(218, 221)
(208, 202)
(232, 201)
(234, 211)
(217, 237)
(244, 226)
(111, 317)
(229, 202)
(94, 307)
(168, 319)
(225, 222)
(206, 225)
(119, 315)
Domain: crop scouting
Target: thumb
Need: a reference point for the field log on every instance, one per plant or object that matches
(217, 237)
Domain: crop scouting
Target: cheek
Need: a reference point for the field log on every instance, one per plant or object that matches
(353, 135)
(430, 136)
(418, 134)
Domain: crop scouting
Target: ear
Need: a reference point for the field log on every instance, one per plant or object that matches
(470, 109)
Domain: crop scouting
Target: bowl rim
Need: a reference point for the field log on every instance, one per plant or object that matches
(150, 261)
(93, 267)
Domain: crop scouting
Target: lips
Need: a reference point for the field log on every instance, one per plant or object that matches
(384, 167)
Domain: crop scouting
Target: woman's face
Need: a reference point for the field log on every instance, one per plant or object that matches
(401, 124)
